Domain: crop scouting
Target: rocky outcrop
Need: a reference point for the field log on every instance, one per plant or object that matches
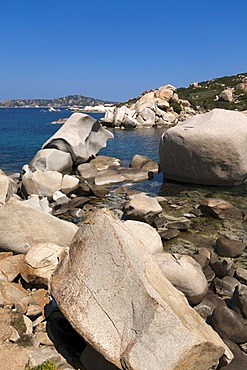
(22, 226)
(114, 294)
(207, 149)
(156, 108)
(81, 136)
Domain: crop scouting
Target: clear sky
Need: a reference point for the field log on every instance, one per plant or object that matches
(115, 49)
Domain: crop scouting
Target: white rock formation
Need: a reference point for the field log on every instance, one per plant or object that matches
(51, 160)
(81, 136)
(22, 226)
(152, 109)
(206, 149)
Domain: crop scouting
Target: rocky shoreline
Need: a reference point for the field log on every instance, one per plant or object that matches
(147, 282)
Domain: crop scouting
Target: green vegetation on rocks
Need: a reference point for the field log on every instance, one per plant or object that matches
(204, 97)
(47, 365)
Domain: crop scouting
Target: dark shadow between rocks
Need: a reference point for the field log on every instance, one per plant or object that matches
(64, 337)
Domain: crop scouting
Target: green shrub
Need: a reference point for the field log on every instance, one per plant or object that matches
(47, 365)
(176, 107)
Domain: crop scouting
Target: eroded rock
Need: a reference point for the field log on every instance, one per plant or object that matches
(114, 294)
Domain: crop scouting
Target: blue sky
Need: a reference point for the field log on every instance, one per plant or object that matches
(115, 50)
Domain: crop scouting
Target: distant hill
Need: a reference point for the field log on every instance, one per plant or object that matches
(203, 95)
(66, 101)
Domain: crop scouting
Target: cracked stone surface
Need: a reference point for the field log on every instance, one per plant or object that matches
(113, 293)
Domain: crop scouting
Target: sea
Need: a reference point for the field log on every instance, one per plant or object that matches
(24, 130)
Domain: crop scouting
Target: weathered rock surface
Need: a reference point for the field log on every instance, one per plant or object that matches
(144, 163)
(226, 95)
(69, 183)
(114, 294)
(228, 324)
(185, 274)
(13, 357)
(11, 293)
(225, 287)
(220, 208)
(229, 248)
(168, 234)
(241, 275)
(239, 302)
(239, 361)
(206, 149)
(38, 202)
(142, 208)
(103, 162)
(51, 160)
(146, 234)
(10, 267)
(87, 170)
(206, 307)
(22, 226)
(8, 188)
(40, 262)
(43, 183)
(105, 177)
(81, 136)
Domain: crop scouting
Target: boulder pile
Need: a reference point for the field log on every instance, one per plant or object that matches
(156, 108)
(154, 283)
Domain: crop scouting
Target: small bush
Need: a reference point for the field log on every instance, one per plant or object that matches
(176, 107)
(47, 365)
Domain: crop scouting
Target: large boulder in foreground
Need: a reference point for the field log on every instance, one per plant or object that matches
(22, 226)
(112, 291)
(81, 136)
(207, 149)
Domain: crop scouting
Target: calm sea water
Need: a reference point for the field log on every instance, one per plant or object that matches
(24, 130)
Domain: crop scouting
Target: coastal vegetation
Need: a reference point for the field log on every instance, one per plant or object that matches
(203, 95)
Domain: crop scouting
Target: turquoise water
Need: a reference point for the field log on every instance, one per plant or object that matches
(24, 130)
